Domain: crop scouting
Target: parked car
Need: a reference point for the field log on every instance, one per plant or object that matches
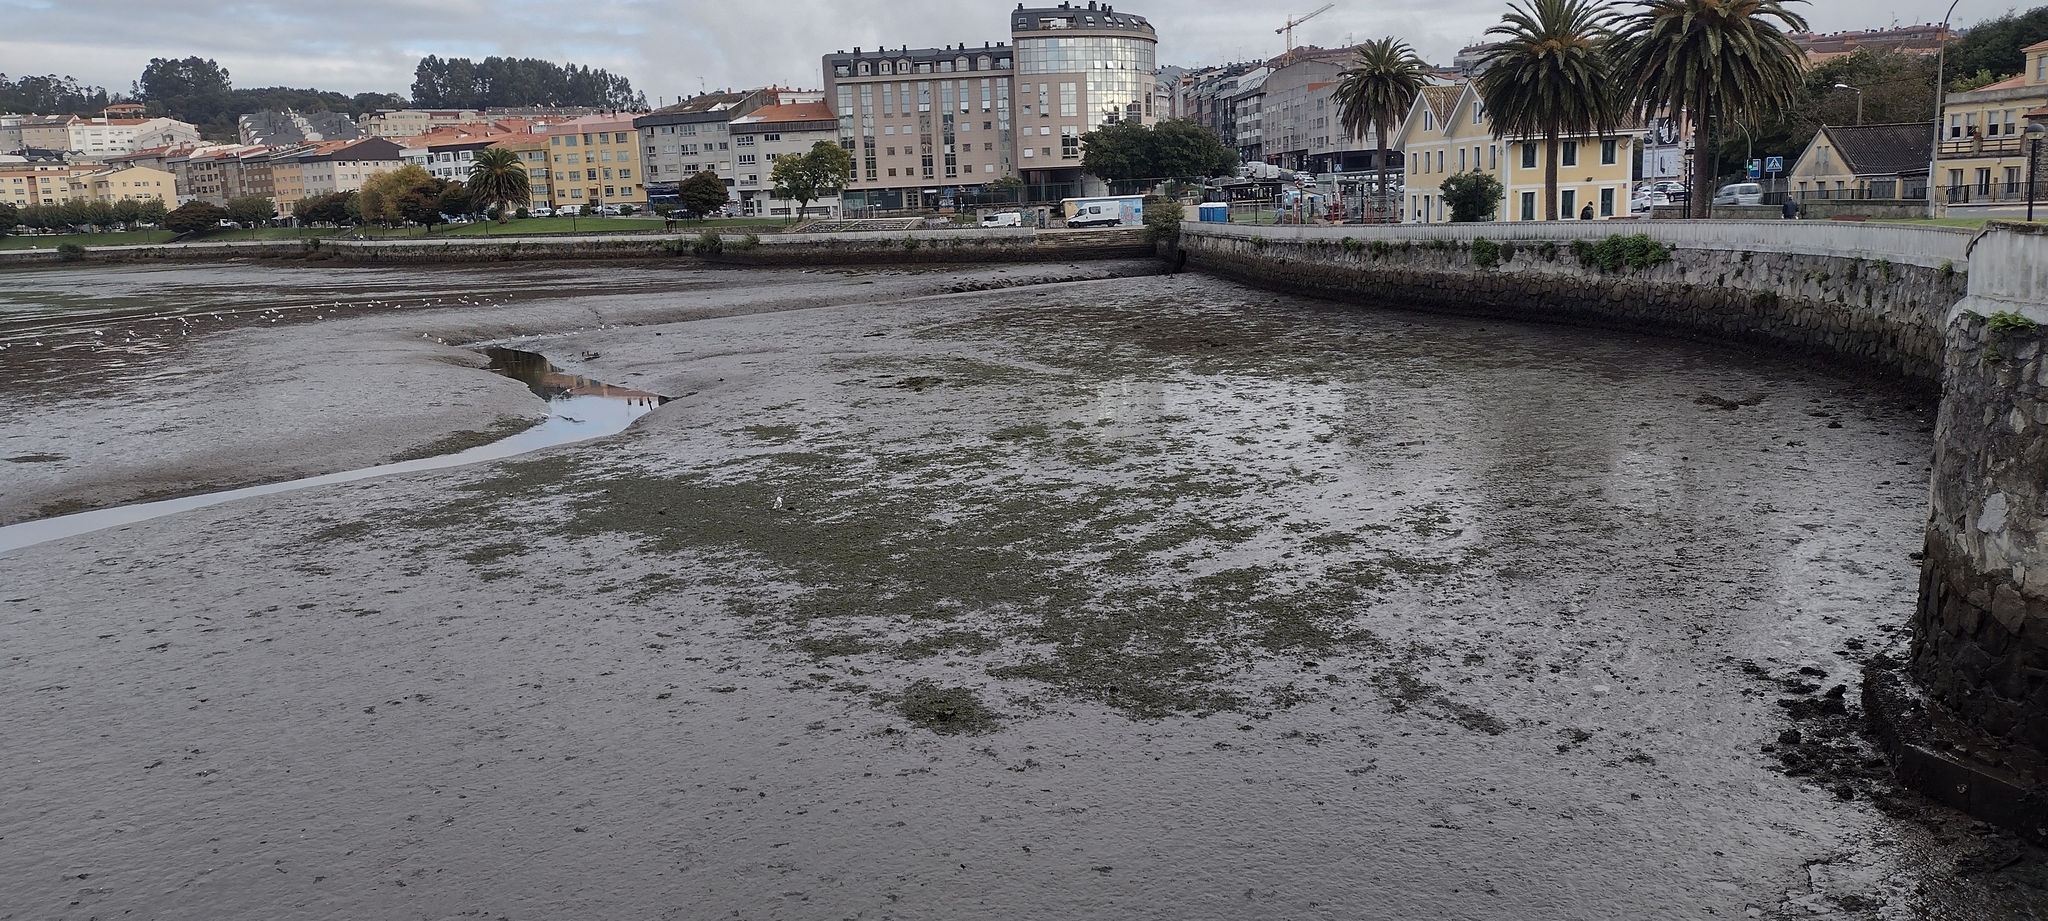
(1674, 190)
(1002, 219)
(1740, 193)
(609, 209)
(1645, 199)
(542, 211)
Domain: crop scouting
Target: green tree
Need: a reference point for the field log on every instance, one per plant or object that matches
(1120, 151)
(703, 194)
(1548, 76)
(99, 213)
(1473, 196)
(126, 212)
(455, 200)
(379, 202)
(10, 218)
(152, 211)
(497, 177)
(195, 217)
(251, 209)
(1183, 149)
(810, 176)
(51, 95)
(193, 89)
(1997, 45)
(1718, 60)
(331, 208)
(1374, 95)
(498, 81)
(1898, 88)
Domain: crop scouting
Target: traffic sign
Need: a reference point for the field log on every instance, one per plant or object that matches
(1774, 164)
(1756, 169)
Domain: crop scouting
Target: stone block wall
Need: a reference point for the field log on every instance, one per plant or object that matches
(1873, 313)
(1980, 638)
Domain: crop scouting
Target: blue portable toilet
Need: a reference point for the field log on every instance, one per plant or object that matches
(1214, 213)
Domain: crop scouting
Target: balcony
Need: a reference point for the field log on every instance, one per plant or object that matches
(2007, 146)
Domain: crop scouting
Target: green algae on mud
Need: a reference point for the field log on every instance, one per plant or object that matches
(505, 427)
(1110, 592)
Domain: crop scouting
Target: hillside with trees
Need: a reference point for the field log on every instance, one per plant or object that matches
(200, 91)
(52, 95)
(460, 83)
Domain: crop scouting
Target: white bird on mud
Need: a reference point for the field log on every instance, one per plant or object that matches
(778, 502)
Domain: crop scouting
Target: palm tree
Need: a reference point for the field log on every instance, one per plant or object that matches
(1374, 95)
(1711, 59)
(1549, 75)
(497, 177)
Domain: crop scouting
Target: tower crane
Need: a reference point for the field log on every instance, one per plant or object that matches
(1288, 29)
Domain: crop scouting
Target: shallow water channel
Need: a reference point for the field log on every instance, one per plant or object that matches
(578, 409)
(1149, 597)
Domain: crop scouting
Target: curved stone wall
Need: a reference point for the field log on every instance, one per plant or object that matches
(1966, 310)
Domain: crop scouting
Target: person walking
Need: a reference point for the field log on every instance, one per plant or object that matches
(1586, 213)
(1791, 208)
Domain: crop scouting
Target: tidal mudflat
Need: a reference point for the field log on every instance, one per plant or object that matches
(1004, 593)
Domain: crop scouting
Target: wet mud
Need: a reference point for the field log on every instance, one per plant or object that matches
(1138, 596)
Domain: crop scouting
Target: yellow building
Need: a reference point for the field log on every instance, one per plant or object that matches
(534, 150)
(594, 159)
(139, 183)
(1447, 132)
(1862, 162)
(37, 184)
(1983, 158)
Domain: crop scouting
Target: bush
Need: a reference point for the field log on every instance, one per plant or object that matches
(1351, 244)
(1473, 196)
(1381, 249)
(1162, 220)
(2004, 321)
(70, 252)
(748, 242)
(523, 213)
(1485, 253)
(626, 210)
(1635, 251)
(1548, 251)
(709, 244)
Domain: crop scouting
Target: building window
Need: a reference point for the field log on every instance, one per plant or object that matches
(1528, 157)
(1568, 154)
(1609, 151)
(1607, 200)
(1528, 204)
(1568, 203)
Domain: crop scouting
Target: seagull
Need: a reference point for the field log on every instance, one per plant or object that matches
(778, 503)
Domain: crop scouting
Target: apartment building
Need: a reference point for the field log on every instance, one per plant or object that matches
(28, 184)
(1983, 153)
(921, 124)
(405, 123)
(691, 137)
(1447, 132)
(312, 170)
(789, 126)
(100, 138)
(594, 159)
(532, 151)
(130, 183)
(1078, 68)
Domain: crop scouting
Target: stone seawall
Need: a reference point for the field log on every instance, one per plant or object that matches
(1971, 312)
(1874, 311)
(1980, 637)
(870, 248)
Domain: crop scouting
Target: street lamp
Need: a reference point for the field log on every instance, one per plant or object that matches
(2034, 133)
(1940, 100)
(1859, 101)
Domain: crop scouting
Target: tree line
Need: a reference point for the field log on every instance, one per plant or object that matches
(460, 83)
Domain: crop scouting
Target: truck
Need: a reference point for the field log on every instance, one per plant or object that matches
(1110, 211)
(1002, 219)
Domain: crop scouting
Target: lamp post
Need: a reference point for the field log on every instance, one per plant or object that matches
(2034, 133)
(1859, 101)
(1940, 99)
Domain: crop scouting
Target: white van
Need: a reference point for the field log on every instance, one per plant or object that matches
(1740, 193)
(1002, 219)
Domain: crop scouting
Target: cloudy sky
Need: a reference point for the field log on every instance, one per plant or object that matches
(670, 48)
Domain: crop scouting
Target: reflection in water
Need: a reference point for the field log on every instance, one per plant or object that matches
(578, 409)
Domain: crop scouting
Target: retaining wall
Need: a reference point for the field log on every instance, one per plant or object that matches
(860, 248)
(1876, 296)
(1929, 303)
